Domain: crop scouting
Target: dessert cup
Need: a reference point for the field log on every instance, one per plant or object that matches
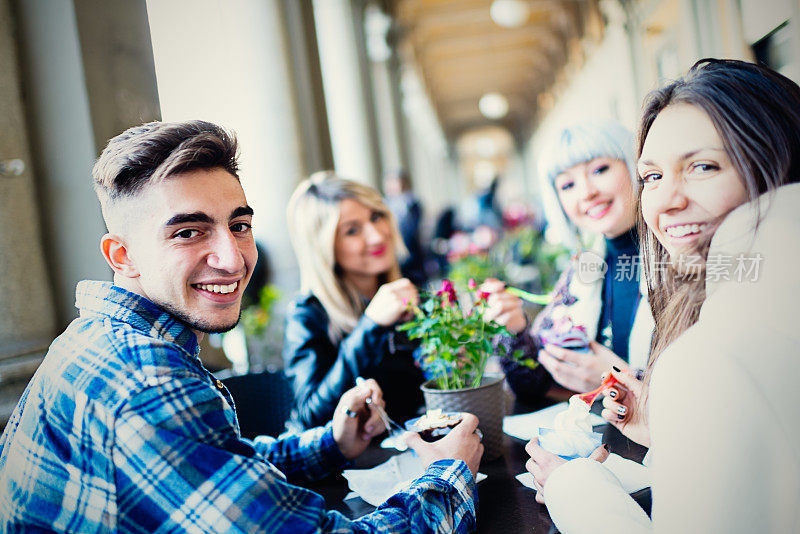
(569, 444)
(434, 429)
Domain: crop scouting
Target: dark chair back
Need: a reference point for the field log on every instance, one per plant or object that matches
(263, 402)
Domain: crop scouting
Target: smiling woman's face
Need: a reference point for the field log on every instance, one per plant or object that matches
(363, 245)
(689, 181)
(597, 196)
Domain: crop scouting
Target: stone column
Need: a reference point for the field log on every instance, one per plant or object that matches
(63, 141)
(385, 90)
(118, 65)
(307, 78)
(347, 92)
(27, 315)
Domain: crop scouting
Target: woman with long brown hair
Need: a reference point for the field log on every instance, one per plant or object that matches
(719, 158)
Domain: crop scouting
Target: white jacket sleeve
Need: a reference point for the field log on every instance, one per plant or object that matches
(722, 463)
(583, 496)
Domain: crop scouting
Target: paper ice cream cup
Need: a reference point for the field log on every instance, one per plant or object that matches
(569, 444)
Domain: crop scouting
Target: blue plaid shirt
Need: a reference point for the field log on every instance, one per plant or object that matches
(122, 429)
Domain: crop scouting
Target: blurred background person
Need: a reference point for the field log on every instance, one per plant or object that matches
(407, 211)
(341, 324)
(444, 228)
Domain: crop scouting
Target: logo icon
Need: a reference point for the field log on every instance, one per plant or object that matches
(591, 267)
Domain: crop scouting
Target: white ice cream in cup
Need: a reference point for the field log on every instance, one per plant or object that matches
(571, 436)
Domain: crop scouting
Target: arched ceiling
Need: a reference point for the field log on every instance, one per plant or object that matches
(461, 54)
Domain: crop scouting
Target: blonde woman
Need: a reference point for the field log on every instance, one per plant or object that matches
(341, 325)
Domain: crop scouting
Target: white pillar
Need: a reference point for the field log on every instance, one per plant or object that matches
(346, 85)
(385, 89)
(237, 74)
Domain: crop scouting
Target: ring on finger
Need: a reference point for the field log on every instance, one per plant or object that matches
(350, 413)
(478, 433)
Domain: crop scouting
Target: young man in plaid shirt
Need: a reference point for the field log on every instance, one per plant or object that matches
(123, 429)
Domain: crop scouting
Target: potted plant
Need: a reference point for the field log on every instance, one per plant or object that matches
(263, 334)
(456, 344)
(254, 343)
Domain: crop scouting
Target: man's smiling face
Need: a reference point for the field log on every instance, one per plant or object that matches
(192, 249)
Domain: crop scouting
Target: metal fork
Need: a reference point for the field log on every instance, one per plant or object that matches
(395, 430)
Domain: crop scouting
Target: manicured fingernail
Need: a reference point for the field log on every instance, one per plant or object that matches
(612, 393)
(620, 416)
(622, 409)
(617, 369)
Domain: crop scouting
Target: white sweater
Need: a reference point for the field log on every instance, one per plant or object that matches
(724, 404)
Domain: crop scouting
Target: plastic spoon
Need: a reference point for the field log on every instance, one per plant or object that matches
(590, 396)
(542, 300)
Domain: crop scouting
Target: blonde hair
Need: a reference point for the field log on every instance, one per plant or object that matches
(313, 215)
(581, 143)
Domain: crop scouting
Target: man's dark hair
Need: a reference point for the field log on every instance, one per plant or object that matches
(154, 151)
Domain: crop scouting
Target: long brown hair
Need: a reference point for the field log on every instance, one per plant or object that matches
(756, 112)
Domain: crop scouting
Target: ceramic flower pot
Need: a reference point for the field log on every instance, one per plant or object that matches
(486, 401)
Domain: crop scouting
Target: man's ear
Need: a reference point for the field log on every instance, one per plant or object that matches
(115, 252)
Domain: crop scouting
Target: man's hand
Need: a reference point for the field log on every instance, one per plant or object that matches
(542, 464)
(354, 423)
(461, 443)
(579, 371)
(624, 407)
(390, 303)
(503, 308)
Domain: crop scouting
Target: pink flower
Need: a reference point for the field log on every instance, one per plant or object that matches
(483, 295)
(447, 287)
(471, 284)
(448, 291)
